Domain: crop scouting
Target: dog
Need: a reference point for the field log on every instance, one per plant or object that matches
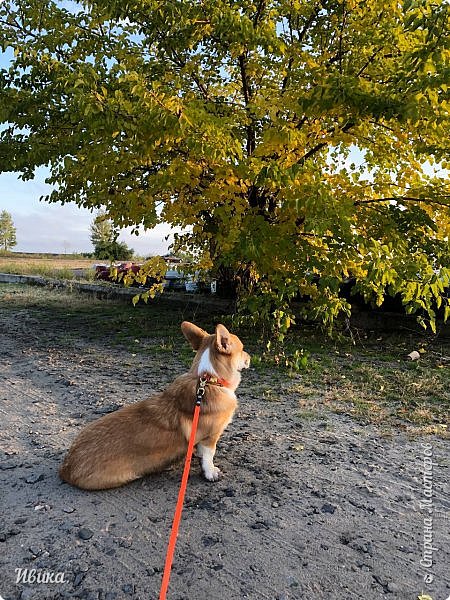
(147, 436)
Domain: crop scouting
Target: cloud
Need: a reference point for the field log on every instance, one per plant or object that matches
(52, 229)
(65, 228)
(43, 227)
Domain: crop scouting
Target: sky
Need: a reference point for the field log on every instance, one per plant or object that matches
(45, 227)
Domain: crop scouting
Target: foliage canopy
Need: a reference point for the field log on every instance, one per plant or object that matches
(297, 142)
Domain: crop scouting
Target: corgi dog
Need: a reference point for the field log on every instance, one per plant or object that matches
(147, 436)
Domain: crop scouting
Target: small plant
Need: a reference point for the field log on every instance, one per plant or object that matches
(166, 345)
(293, 361)
(280, 356)
(257, 361)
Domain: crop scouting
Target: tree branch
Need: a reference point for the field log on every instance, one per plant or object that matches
(403, 199)
(20, 28)
(300, 38)
(258, 13)
(247, 91)
(181, 63)
(245, 84)
(318, 147)
(341, 35)
(368, 62)
(379, 124)
(309, 21)
(286, 77)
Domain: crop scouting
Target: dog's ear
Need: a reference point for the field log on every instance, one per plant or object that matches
(193, 334)
(223, 340)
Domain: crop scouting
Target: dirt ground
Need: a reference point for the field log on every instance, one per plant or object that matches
(319, 508)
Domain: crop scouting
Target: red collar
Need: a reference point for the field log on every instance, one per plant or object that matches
(214, 380)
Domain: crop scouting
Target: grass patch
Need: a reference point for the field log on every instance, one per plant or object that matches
(370, 380)
(374, 382)
(42, 270)
(116, 321)
(57, 267)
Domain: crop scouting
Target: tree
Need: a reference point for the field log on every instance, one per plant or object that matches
(113, 251)
(298, 143)
(7, 231)
(102, 230)
(104, 239)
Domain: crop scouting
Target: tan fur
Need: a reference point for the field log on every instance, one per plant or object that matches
(149, 435)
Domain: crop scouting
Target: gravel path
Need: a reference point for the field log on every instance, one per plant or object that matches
(323, 508)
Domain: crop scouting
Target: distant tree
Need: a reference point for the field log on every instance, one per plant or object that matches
(104, 239)
(113, 251)
(7, 231)
(102, 230)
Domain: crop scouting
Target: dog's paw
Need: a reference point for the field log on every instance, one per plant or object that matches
(213, 474)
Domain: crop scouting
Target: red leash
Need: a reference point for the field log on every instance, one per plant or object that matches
(182, 492)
